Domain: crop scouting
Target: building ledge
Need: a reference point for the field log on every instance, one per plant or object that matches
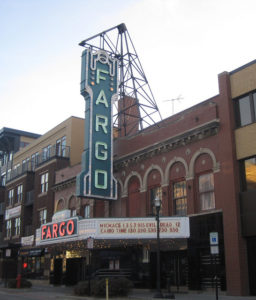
(195, 134)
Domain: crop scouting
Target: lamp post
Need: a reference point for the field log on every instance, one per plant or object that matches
(158, 283)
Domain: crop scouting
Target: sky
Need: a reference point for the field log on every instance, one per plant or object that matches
(182, 44)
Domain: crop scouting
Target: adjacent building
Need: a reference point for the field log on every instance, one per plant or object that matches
(28, 195)
(243, 93)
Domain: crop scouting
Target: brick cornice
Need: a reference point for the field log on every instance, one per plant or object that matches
(197, 133)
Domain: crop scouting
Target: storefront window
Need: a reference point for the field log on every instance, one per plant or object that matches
(180, 198)
(34, 266)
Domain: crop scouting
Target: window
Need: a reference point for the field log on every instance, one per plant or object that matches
(206, 191)
(23, 144)
(10, 197)
(3, 179)
(180, 198)
(19, 193)
(17, 226)
(145, 255)
(249, 174)
(9, 228)
(34, 159)
(87, 211)
(61, 146)
(16, 170)
(25, 165)
(44, 183)
(9, 174)
(46, 153)
(73, 212)
(42, 216)
(245, 108)
(155, 192)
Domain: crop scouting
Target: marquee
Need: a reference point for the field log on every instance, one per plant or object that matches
(113, 228)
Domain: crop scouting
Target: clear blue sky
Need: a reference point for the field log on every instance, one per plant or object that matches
(183, 45)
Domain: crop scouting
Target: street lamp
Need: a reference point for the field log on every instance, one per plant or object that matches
(158, 283)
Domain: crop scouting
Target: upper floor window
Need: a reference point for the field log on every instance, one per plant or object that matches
(61, 146)
(206, 191)
(23, 144)
(10, 197)
(17, 226)
(248, 174)
(180, 198)
(44, 183)
(16, 170)
(46, 152)
(3, 179)
(87, 211)
(245, 110)
(25, 165)
(42, 216)
(19, 193)
(9, 228)
(73, 212)
(34, 159)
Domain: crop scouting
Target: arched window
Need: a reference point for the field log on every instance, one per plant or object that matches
(179, 193)
(154, 190)
(205, 182)
(60, 205)
(73, 206)
(178, 187)
(134, 209)
(206, 191)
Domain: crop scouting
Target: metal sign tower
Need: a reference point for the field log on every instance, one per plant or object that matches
(135, 108)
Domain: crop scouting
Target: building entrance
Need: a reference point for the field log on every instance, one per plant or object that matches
(251, 246)
(75, 270)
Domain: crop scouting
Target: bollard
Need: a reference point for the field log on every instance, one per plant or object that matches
(18, 281)
(106, 288)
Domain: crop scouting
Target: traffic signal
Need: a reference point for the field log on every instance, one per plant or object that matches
(25, 265)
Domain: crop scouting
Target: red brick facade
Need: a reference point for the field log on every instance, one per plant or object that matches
(183, 147)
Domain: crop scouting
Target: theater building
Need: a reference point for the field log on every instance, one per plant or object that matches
(199, 162)
(188, 160)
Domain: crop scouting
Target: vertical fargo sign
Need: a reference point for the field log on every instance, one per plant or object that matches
(99, 89)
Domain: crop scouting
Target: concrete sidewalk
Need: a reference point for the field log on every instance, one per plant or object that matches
(66, 293)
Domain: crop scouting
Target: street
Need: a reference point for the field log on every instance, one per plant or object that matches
(66, 293)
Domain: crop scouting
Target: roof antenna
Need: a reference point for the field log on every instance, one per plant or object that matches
(179, 98)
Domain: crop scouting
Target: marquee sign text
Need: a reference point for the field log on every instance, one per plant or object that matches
(99, 89)
(59, 230)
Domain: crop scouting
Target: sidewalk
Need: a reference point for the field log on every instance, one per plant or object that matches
(66, 293)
